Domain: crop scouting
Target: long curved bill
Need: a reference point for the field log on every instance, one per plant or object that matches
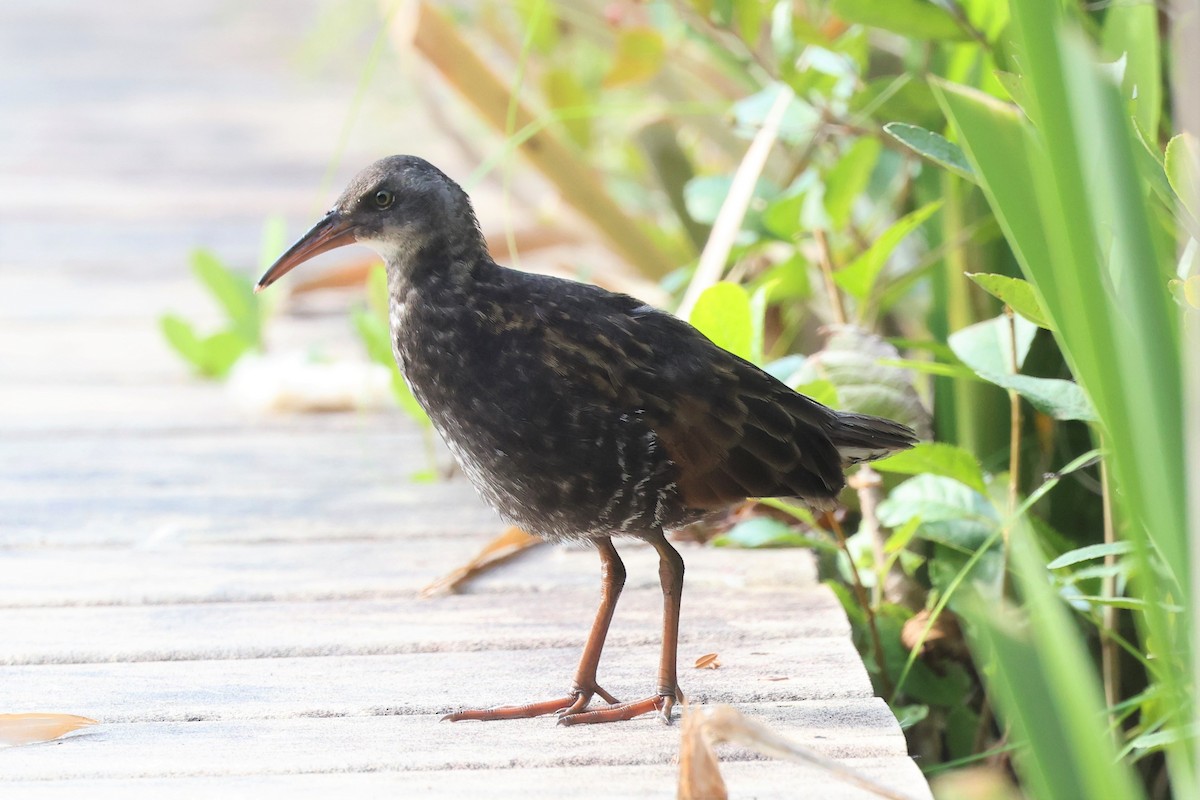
(333, 231)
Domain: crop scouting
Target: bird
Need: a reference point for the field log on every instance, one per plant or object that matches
(580, 414)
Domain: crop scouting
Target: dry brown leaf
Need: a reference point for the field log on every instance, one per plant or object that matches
(944, 640)
(708, 661)
(705, 726)
(976, 783)
(699, 774)
(503, 547)
(18, 729)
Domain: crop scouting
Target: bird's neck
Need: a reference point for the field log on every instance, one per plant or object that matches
(437, 270)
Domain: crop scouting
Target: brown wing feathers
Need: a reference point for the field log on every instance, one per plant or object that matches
(759, 443)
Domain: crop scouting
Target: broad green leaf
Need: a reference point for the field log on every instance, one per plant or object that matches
(758, 318)
(899, 98)
(824, 392)
(919, 19)
(1017, 293)
(639, 57)
(540, 23)
(1055, 397)
(910, 715)
(722, 313)
(562, 89)
(181, 336)
(705, 194)
(848, 179)
(1180, 163)
(234, 292)
(932, 146)
(937, 458)
(951, 512)
(220, 352)
(759, 532)
(987, 347)
(858, 277)
(799, 121)
(748, 16)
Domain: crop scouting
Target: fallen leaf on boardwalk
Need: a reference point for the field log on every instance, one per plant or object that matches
(703, 727)
(708, 661)
(699, 775)
(503, 547)
(18, 729)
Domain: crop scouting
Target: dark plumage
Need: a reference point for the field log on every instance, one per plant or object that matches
(576, 412)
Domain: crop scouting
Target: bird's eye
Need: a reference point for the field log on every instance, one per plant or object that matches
(384, 199)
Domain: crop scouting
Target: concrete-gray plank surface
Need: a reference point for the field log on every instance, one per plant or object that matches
(235, 596)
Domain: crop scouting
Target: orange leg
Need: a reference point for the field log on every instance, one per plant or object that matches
(670, 572)
(585, 687)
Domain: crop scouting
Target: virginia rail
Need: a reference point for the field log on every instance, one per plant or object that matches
(576, 412)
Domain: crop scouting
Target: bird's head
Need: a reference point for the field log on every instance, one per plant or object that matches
(398, 206)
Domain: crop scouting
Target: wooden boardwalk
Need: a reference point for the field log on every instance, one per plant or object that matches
(235, 597)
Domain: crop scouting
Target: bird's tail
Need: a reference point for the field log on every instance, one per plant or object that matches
(860, 437)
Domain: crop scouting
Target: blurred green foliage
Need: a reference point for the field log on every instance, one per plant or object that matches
(980, 201)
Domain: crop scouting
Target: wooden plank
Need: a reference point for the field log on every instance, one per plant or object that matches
(758, 779)
(442, 677)
(552, 617)
(353, 569)
(416, 743)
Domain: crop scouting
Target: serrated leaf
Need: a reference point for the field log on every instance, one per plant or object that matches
(1017, 293)
(639, 57)
(853, 360)
(919, 19)
(937, 458)
(858, 277)
(722, 313)
(848, 179)
(933, 147)
(951, 512)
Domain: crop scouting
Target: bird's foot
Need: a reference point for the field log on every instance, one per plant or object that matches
(572, 704)
(661, 703)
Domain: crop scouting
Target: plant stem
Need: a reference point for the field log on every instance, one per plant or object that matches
(1110, 662)
(860, 592)
(826, 264)
(1014, 400)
